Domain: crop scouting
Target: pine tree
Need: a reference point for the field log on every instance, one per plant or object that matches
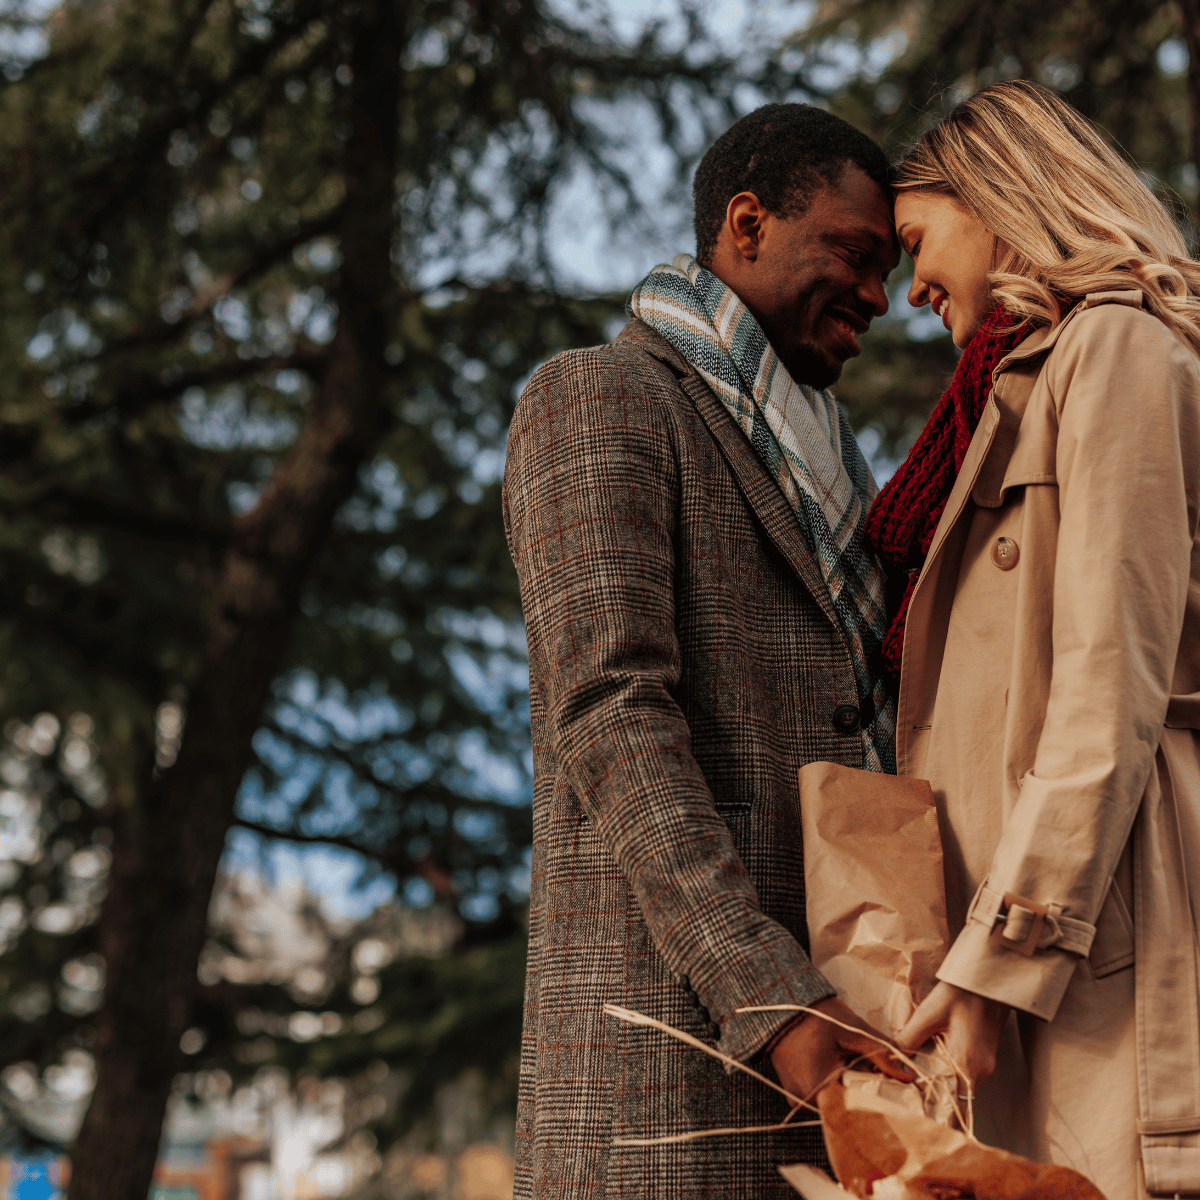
(273, 270)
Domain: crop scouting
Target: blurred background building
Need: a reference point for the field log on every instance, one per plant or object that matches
(273, 274)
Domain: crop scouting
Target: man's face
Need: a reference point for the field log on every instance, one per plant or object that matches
(814, 282)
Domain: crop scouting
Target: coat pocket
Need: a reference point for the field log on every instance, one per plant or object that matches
(1112, 948)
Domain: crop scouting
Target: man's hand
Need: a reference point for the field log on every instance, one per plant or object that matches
(814, 1051)
(972, 1025)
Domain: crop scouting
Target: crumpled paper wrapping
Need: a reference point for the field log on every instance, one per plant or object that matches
(881, 1149)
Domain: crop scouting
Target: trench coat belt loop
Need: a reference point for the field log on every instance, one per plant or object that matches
(1024, 925)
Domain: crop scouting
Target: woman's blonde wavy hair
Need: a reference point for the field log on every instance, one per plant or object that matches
(1071, 215)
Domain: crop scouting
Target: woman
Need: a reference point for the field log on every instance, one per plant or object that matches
(1048, 643)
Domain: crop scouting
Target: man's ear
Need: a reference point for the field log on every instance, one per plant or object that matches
(744, 224)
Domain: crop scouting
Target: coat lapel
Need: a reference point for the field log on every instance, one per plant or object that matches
(761, 491)
(924, 635)
(982, 475)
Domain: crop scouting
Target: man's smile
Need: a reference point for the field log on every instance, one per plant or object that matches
(848, 325)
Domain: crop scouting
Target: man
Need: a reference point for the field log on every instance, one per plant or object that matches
(703, 620)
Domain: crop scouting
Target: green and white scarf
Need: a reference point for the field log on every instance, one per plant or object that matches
(806, 442)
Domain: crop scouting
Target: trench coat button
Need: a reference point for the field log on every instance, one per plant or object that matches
(1005, 553)
(714, 1031)
(845, 718)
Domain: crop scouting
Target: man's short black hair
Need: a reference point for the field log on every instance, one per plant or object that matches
(783, 153)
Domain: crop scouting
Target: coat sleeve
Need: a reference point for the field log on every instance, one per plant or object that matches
(592, 500)
(1127, 396)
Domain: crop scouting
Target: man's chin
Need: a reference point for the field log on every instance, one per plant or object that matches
(813, 367)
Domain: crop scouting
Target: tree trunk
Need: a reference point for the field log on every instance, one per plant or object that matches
(169, 845)
(1190, 11)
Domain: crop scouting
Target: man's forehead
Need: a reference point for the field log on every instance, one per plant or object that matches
(875, 228)
(854, 204)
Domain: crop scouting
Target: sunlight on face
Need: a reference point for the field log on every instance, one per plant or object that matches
(952, 253)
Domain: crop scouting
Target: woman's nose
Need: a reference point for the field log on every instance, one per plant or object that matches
(918, 293)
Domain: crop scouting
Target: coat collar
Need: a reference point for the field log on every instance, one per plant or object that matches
(964, 484)
(1003, 413)
(655, 345)
(754, 481)
(1043, 339)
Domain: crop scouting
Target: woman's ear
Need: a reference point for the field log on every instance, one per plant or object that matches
(1000, 252)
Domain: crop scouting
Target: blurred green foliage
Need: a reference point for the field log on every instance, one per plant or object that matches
(172, 184)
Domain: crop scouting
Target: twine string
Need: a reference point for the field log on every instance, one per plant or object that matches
(631, 1017)
(637, 1018)
(965, 1120)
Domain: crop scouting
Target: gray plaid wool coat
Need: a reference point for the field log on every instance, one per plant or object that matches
(685, 661)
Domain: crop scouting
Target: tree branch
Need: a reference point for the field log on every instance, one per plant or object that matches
(111, 180)
(139, 393)
(391, 857)
(337, 748)
(163, 332)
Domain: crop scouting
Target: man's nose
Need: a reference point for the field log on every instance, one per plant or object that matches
(872, 292)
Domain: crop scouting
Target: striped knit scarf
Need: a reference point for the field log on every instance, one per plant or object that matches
(806, 442)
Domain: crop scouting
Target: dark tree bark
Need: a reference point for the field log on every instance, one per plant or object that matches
(169, 842)
(1190, 11)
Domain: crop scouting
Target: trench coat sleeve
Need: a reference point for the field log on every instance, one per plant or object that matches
(1127, 395)
(592, 496)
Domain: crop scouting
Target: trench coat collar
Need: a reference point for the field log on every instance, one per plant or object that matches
(1001, 423)
(964, 484)
(1043, 338)
(754, 481)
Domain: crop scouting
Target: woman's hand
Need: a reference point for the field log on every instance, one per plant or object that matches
(972, 1025)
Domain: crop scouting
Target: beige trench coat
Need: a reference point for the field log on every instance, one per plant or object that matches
(1051, 695)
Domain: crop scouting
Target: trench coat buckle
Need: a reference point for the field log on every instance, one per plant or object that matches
(1021, 928)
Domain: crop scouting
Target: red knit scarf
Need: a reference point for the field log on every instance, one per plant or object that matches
(906, 512)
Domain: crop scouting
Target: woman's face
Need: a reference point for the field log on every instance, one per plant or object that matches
(952, 253)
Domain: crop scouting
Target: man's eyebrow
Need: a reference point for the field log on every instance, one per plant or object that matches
(877, 242)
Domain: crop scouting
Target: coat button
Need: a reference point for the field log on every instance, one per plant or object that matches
(1005, 553)
(845, 718)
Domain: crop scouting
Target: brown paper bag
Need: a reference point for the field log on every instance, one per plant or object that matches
(877, 926)
(874, 888)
